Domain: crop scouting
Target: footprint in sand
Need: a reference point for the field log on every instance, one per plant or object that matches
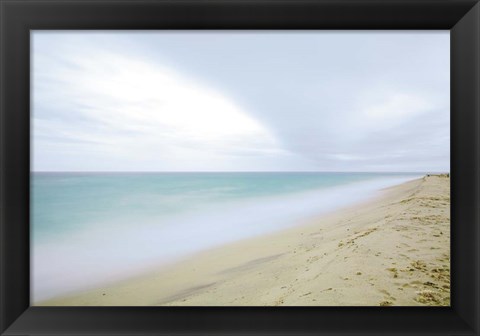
(394, 271)
(388, 295)
(385, 303)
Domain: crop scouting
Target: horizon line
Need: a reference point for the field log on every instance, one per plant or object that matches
(233, 171)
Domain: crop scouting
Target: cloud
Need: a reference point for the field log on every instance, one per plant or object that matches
(121, 108)
(396, 107)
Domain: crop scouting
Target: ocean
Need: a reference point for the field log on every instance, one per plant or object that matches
(89, 229)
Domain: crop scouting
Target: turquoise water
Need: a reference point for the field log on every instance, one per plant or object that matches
(91, 228)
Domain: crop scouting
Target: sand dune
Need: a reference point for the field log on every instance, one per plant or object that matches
(393, 250)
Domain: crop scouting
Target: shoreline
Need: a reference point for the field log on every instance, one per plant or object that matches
(360, 255)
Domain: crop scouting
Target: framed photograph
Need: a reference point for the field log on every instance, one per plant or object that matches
(231, 167)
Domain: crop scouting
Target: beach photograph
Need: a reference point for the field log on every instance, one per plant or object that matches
(240, 168)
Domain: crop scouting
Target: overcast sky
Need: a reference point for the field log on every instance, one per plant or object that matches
(241, 101)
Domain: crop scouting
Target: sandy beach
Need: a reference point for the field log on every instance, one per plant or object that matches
(393, 250)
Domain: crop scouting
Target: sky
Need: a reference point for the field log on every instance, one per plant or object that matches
(241, 101)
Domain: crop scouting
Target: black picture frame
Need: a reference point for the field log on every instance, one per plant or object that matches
(18, 17)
